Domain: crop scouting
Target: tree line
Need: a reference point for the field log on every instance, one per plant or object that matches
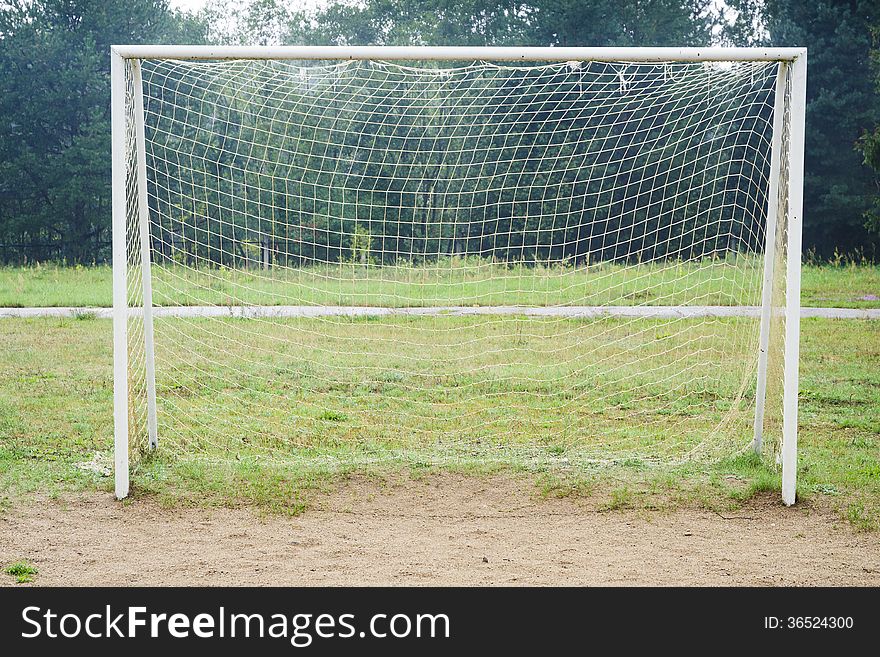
(386, 163)
(54, 138)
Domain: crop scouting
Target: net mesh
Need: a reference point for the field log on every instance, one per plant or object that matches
(369, 260)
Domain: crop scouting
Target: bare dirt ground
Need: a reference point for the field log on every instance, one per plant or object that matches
(445, 530)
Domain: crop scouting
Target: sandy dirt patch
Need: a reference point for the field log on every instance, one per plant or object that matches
(445, 530)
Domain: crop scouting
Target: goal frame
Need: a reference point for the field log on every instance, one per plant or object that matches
(792, 73)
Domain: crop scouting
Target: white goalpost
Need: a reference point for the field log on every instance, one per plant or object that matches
(552, 257)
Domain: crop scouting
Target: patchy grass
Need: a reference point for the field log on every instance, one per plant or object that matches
(860, 517)
(620, 498)
(559, 486)
(22, 571)
(451, 281)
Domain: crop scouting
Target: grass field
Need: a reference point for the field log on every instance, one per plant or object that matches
(452, 388)
(379, 407)
(56, 435)
(466, 282)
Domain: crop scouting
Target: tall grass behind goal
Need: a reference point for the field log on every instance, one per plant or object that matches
(537, 256)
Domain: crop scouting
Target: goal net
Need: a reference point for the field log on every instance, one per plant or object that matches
(539, 263)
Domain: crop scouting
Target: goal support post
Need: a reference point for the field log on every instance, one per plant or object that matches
(769, 257)
(146, 274)
(793, 277)
(128, 127)
(120, 284)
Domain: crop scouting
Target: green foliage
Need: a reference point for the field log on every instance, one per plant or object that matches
(361, 243)
(507, 22)
(522, 164)
(869, 144)
(22, 571)
(245, 22)
(333, 416)
(54, 100)
(54, 90)
(843, 102)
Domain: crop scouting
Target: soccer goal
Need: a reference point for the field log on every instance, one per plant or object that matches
(544, 257)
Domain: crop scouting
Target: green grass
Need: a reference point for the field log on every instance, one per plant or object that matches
(22, 571)
(734, 281)
(375, 412)
(358, 389)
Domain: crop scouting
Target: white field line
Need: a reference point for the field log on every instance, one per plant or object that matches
(574, 312)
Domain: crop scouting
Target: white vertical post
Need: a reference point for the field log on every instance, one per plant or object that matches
(769, 255)
(120, 301)
(793, 276)
(144, 229)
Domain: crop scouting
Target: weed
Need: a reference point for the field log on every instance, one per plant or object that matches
(22, 571)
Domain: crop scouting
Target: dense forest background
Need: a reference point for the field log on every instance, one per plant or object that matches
(54, 88)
